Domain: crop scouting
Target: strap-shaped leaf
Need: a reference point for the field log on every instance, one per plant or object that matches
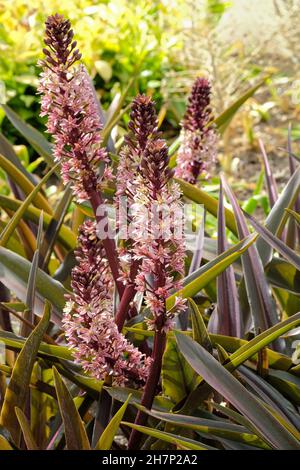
(210, 427)
(210, 203)
(275, 242)
(34, 137)
(13, 223)
(26, 185)
(17, 388)
(4, 444)
(227, 315)
(277, 217)
(262, 305)
(14, 273)
(25, 426)
(228, 386)
(7, 150)
(75, 433)
(171, 438)
(223, 121)
(200, 333)
(108, 435)
(65, 236)
(202, 276)
(53, 228)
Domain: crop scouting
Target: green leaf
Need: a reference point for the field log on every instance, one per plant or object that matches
(14, 273)
(34, 137)
(211, 428)
(200, 333)
(25, 426)
(89, 384)
(48, 351)
(14, 243)
(224, 119)
(121, 394)
(202, 276)
(284, 275)
(177, 376)
(226, 318)
(108, 435)
(262, 305)
(276, 243)
(7, 150)
(17, 388)
(53, 353)
(13, 223)
(230, 344)
(262, 340)
(278, 215)
(75, 433)
(41, 404)
(228, 386)
(171, 438)
(286, 383)
(294, 214)
(210, 203)
(24, 183)
(31, 285)
(65, 236)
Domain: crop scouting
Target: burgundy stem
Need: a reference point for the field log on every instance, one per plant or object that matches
(108, 242)
(150, 387)
(127, 297)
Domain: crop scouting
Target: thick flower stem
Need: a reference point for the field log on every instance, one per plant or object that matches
(150, 387)
(124, 305)
(127, 296)
(108, 241)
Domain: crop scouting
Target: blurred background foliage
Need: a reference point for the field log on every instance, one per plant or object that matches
(159, 47)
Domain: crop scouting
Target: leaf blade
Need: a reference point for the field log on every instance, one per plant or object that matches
(17, 388)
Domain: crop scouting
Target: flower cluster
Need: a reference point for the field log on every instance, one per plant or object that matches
(143, 126)
(157, 218)
(197, 152)
(69, 101)
(154, 261)
(88, 320)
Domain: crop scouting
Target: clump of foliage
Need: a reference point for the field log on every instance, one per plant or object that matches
(124, 43)
(131, 340)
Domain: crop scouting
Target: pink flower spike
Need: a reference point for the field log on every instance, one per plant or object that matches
(69, 102)
(197, 153)
(89, 324)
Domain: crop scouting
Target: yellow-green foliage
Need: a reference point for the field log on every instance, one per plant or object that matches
(116, 37)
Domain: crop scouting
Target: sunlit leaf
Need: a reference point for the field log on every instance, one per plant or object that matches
(110, 431)
(17, 388)
(75, 433)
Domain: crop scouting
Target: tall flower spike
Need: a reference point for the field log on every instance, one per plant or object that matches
(143, 126)
(69, 101)
(88, 320)
(158, 246)
(157, 222)
(197, 152)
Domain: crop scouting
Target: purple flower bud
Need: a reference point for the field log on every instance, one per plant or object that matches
(197, 153)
